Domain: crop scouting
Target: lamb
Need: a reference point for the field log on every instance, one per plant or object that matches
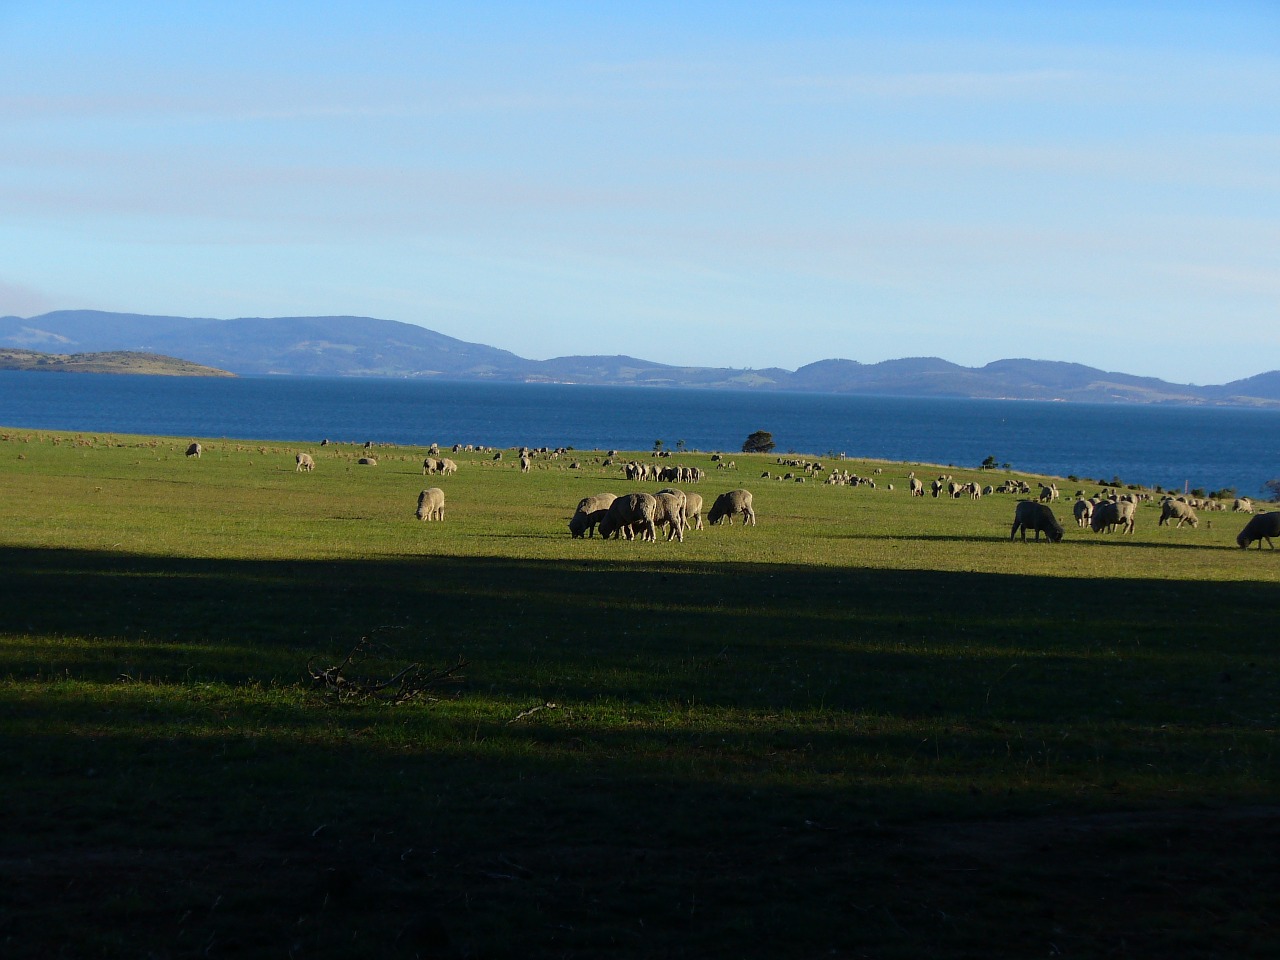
(1177, 510)
(194, 450)
(1111, 514)
(1033, 515)
(670, 513)
(590, 511)
(304, 462)
(1264, 526)
(431, 504)
(627, 512)
(728, 504)
(693, 510)
(1083, 510)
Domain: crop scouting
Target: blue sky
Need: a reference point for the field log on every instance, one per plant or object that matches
(707, 184)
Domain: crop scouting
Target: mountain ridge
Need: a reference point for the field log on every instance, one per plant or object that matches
(367, 346)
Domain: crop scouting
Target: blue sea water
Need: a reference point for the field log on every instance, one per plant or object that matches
(1209, 447)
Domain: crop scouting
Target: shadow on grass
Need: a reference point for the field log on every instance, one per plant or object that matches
(738, 636)
(746, 760)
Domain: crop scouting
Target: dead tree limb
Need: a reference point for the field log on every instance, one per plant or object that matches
(340, 684)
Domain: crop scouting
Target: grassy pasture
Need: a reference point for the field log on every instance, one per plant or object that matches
(869, 726)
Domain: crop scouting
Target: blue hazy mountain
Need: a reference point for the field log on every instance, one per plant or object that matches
(369, 347)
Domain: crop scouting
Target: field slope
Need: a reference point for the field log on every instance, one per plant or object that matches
(869, 726)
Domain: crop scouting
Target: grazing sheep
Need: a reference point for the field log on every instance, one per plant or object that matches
(195, 450)
(1264, 526)
(525, 463)
(432, 465)
(590, 511)
(727, 505)
(917, 487)
(368, 461)
(304, 462)
(1111, 514)
(1032, 515)
(693, 510)
(431, 504)
(1243, 505)
(630, 511)
(1177, 510)
(1083, 510)
(670, 513)
(1048, 494)
(447, 466)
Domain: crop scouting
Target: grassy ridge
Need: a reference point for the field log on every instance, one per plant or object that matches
(868, 726)
(112, 361)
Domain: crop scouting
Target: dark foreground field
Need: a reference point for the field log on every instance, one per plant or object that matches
(867, 727)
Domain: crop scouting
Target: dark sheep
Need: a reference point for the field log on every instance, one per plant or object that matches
(1264, 526)
(1031, 515)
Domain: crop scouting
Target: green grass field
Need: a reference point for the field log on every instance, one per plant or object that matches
(870, 726)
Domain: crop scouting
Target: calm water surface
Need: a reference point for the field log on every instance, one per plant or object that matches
(1210, 447)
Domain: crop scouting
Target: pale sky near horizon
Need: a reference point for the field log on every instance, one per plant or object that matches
(705, 184)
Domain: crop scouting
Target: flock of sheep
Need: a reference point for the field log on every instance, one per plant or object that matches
(642, 515)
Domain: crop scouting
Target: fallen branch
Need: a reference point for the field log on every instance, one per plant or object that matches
(532, 710)
(339, 685)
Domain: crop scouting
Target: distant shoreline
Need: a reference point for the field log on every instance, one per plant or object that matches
(112, 362)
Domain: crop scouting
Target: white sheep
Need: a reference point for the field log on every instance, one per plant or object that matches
(431, 504)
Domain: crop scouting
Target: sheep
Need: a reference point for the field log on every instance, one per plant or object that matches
(368, 461)
(1177, 510)
(1111, 514)
(917, 487)
(1083, 510)
(1243, 505)
(627, 512)
(590, 511)
(1048, 494)
(1033, 515)
(693, 510)
(431, 504)
(525, 463)
(728, 504)
(447, 466)
(304, 462)
(195, 450)
(1264, 526)
(432, 465)
(670, 513)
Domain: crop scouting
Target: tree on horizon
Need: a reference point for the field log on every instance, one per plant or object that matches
(759, 442)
